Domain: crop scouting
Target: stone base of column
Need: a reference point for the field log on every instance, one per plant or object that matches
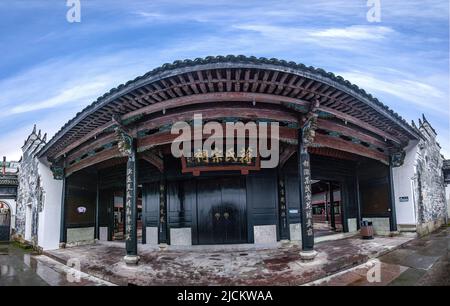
(308, 255)
(285, 243)
(394, 233)
(131, 259)
(163, 246)
(62, 245)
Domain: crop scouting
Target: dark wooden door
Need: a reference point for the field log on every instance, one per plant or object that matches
(221, 211)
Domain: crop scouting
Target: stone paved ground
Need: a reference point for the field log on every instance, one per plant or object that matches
(18, 267)
(230, 266)
(420, 262)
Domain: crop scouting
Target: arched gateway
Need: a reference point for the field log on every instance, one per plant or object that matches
(337, 145)
(5, 221)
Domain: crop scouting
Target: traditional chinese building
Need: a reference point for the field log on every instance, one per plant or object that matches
(447, 183)
(114, 177)
(8, 196)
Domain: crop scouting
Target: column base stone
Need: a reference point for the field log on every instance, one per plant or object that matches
(285, 243)
(163, 246)
(131, 259)
(308, 255)
(394, 233)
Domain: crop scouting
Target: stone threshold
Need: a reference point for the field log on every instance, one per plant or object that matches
(337, 236)
(200, 248)
(228, 247)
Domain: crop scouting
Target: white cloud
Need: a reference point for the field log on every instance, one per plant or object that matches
(423, 95)
(354, 38)
(354, 33)
(67, 81)
(413, 94)
(318, 33)
(75, 94)
(10, 143)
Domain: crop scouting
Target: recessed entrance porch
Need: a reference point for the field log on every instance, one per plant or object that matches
(224, 207)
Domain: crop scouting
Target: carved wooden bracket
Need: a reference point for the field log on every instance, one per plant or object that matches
(287, 152)
(398, 158)
(58, 171)
(124, 138)
(153, 157)
(309, 124)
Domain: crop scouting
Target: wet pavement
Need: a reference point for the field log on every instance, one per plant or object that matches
(240, 265)
(16, 269)
(20, 267)
(420, 262)
(396, 260)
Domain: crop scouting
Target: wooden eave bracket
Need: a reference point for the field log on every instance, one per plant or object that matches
(154, 158)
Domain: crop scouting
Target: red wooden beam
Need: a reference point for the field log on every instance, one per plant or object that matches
(347, 146)
(92, 160)
(348, 131)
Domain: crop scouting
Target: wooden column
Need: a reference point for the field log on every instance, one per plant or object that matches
(97, 210)
(283, 209)
(162, 227)
(306, 135)
(304, 171)
(62, 233)
(358, 199)
(332, 216)
(127, 147)
(392, 216)
(131, 208)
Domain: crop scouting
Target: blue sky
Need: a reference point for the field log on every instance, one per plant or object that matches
(50, 69)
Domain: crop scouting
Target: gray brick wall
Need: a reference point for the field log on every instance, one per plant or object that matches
(429, 180)
(30, 192)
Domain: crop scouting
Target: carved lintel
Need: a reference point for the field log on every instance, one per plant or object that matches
(398, 158)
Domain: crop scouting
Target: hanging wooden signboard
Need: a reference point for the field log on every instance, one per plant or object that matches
(204, 161)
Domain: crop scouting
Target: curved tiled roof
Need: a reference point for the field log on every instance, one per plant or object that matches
(447, 164)
(232, 59)
(9, 180)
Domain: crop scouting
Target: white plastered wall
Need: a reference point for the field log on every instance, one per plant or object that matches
(447, 197)
(404, 187)
(50, 217)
